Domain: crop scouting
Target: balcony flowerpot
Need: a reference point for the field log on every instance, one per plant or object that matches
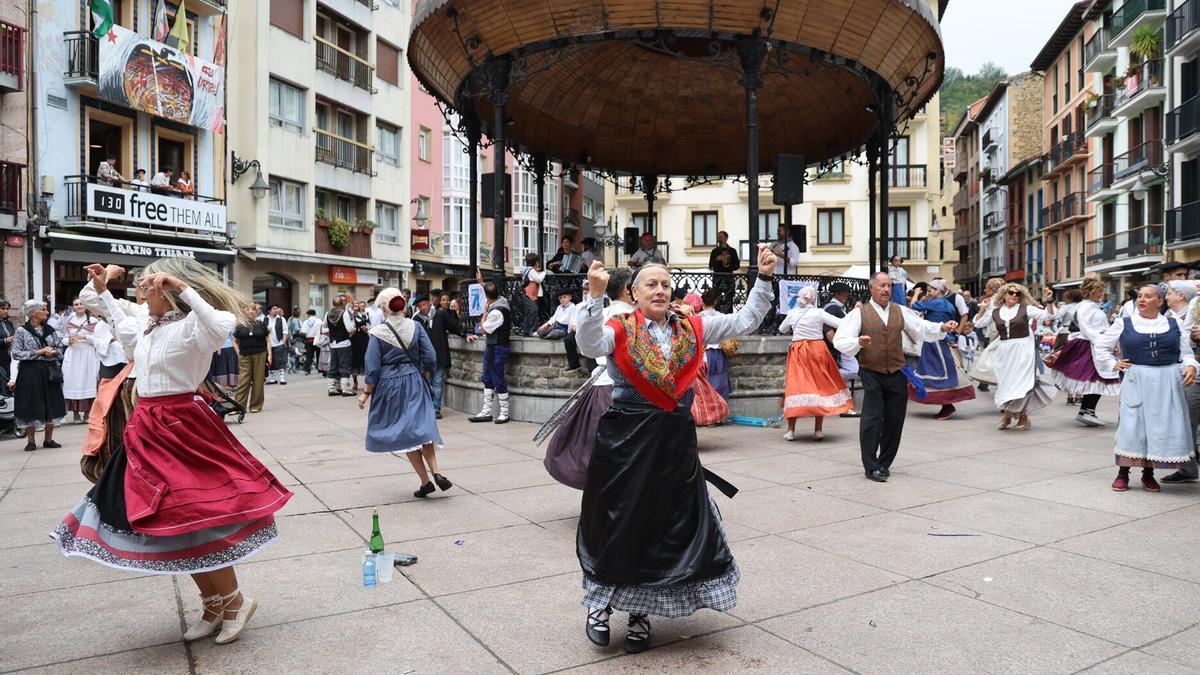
(339, 232)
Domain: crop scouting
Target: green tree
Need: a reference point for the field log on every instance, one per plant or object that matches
(960, 90)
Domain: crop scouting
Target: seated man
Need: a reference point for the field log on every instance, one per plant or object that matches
(561, 326)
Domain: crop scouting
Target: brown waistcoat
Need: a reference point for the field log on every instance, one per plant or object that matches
(1019, 324)
(885, 354)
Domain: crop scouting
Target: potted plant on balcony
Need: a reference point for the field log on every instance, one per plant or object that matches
(1145, 46)
(339, 233)
(364, 225)
(322, 221)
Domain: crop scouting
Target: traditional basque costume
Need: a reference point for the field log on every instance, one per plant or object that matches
(81, 363)
(402, 417)
(938, 366)
(1019, 389)
(650, 539)
(181, 495)
(1154, 431)
(813, 384)
(718, 364)
(1076, 370)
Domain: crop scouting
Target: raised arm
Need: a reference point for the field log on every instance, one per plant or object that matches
(593, 338)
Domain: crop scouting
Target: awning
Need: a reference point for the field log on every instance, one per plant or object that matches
(1125, 266)
(89, 249)
(260, 253)
(1127, 273)
(1066, 284)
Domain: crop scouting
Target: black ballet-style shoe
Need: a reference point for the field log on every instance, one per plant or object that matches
(30, 447)
(637, 638)
(426, 490)
(442, 482)
(597, 626)
(51, 444)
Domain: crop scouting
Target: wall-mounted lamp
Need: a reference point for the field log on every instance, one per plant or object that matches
(420, 217)
(259, 187)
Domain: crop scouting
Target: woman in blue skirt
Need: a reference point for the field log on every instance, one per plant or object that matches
(402, 419)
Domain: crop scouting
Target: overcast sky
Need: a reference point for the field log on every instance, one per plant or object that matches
(1007, 32)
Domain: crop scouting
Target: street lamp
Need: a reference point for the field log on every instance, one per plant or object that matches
(260, 186)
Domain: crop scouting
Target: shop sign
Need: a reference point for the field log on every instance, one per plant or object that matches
(103, 201)
(149, 250)
(420, 240)
(352, 276)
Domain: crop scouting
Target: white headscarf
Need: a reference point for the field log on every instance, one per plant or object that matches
(807, 297)
(406, 327)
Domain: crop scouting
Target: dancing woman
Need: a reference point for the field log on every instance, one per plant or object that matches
(196, 501)
(1018, 388)
(938, 368)
(813, 386)
(1157, 362)
(1076, 369)
(650, 539)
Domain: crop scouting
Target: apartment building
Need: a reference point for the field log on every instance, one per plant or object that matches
(321, 99)
(14, 186)
(968, 217)
(1182, 49)
(130, 102)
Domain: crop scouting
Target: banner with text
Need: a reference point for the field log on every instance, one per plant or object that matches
(139, 73)
(149, 208)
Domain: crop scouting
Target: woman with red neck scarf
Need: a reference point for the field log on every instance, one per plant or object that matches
(650, 539)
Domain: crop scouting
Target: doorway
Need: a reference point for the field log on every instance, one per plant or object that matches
(105, 139)
(273, 289)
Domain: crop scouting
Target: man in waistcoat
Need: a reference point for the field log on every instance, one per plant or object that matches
(497, 329)
(872, 333)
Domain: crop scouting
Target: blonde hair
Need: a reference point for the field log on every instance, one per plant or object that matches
(202, 279)
(1090, 286)
(1026, 298)
(994, 284)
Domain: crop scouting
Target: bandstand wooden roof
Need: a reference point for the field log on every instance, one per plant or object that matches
(631, 85)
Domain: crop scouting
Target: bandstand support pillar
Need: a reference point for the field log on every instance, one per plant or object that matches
(873, 199)
(470, 119)
(885, 174)
(751, 52)
(649, 188)
(499, 90)
(539, 179)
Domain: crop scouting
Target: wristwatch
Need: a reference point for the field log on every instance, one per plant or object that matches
(766, 277)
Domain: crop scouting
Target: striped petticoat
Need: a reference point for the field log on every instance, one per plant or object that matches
(672, 602)
(82, 534)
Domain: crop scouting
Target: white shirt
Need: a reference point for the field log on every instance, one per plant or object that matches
(492, 321)
(160, 180)
(968, 343)
(1007, 314)
(845, 340)
(807, 323)
(374, 315)
(642, 256)
(1128, 309)
(111, 351)
(271, 339)
(1186, 318)
(1090, 318)
(139, 184)
(534, 276)
(791, 259)
(311, 327)
(961, 305)
(1104, 343)
(348, 322)
(616, 308)
(176, 356)
(564, 314)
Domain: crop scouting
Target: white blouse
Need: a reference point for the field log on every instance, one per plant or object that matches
(176, 356)
(1090, 319)
(1105, 344)
(806, 323)
(1007, 314)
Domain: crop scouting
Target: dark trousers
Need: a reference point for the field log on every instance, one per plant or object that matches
(529, 320)
(494, 359)
(339, 362)
(568, 339)
(1090, 401)
(885, 402)
(311, 352)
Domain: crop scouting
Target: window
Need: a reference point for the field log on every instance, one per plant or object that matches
(287, 204)
(387, 221)
(897, 232)
(456, 213)
(287, 106)
(288, 15)
(424, 139)
(831, 227)
(641, 222)
(768, 225)
(387, 147)
(1067, 83)
(589, 209)
(387, 62)
(704, 228)
(456, 163)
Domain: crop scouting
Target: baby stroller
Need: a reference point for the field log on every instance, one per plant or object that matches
(8, 419)
(221, 401)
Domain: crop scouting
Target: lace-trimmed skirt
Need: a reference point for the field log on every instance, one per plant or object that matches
(814, 387)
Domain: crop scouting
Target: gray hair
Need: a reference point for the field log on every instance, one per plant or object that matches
(643, 268)
(619, 281)
(1185, 288)
(32, 306)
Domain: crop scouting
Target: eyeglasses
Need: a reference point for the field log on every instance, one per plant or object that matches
(1014, 293)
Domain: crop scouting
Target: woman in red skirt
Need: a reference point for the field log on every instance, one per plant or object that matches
(182, 496)
(813, 387)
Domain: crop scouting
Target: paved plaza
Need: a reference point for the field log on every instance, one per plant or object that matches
(986, 552)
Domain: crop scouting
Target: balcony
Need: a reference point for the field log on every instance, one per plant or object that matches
(83, 59)
(94, 204)
(990, 138)
(344, 153)
(1100, 180)
(962, 200)
(1100, 118)
(1067, 210)
(1132, 14)
(1183, 226)
(993, 221)
(12, 58)
(1071, 150)
(903, 176)
(965, 234)
(1182, 125)
(1098, 54)
(1139, 159)
(359, 245)
(964, 273)
(961, 166)
(343, 65)
(909, 248)
(1181, 35)
(1146, 240)
(1144, 88)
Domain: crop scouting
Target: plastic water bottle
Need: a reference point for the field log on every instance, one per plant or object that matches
(369, 570)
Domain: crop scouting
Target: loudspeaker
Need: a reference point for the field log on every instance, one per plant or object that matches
(789, 179)
(631, 240)
(799, 236)
(488, 196)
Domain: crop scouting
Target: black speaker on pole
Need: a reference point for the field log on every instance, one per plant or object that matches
(799, 235)
(789, 179)
(631, 240)
(488, 195)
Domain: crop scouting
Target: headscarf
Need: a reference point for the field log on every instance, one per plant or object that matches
(940, 284)
(807, 297)
(394, 318)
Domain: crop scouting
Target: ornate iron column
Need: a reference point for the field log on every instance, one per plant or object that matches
(539, 179)
(751, 52)
(873, 201)
(649, 187)
(499, 90)
(470, 118)
(885, 171)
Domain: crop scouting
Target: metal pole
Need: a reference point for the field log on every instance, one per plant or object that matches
(649, 186)
(539, 179)
(499, 87)
(872, 214)
(787, 223)
(751, 52)
(885, 177)
(474, 136)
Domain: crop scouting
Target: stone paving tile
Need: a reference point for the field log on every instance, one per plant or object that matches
(508, 476)
(1140, 663)
(302, 501)
(425, 518)
(915, 492)
(1021, 518)
(786, 508)
(68, 476)
(539, 504)
(979, 473)
(904, 629)
(373, 490)
(30, 569)
(364, 466)
(29, 529)
(790, 469)
(313, 533)
(1036, 459)
(914, 547)
(168, 659)
(127, 614)
(1094, 492)
(1090, 596)
(412, 637)
(25, 500)
(1164, 544)
(1182, 648)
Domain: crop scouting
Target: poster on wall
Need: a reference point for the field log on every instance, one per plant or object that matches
(475, 300)
(789, 290)
(139, 73)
